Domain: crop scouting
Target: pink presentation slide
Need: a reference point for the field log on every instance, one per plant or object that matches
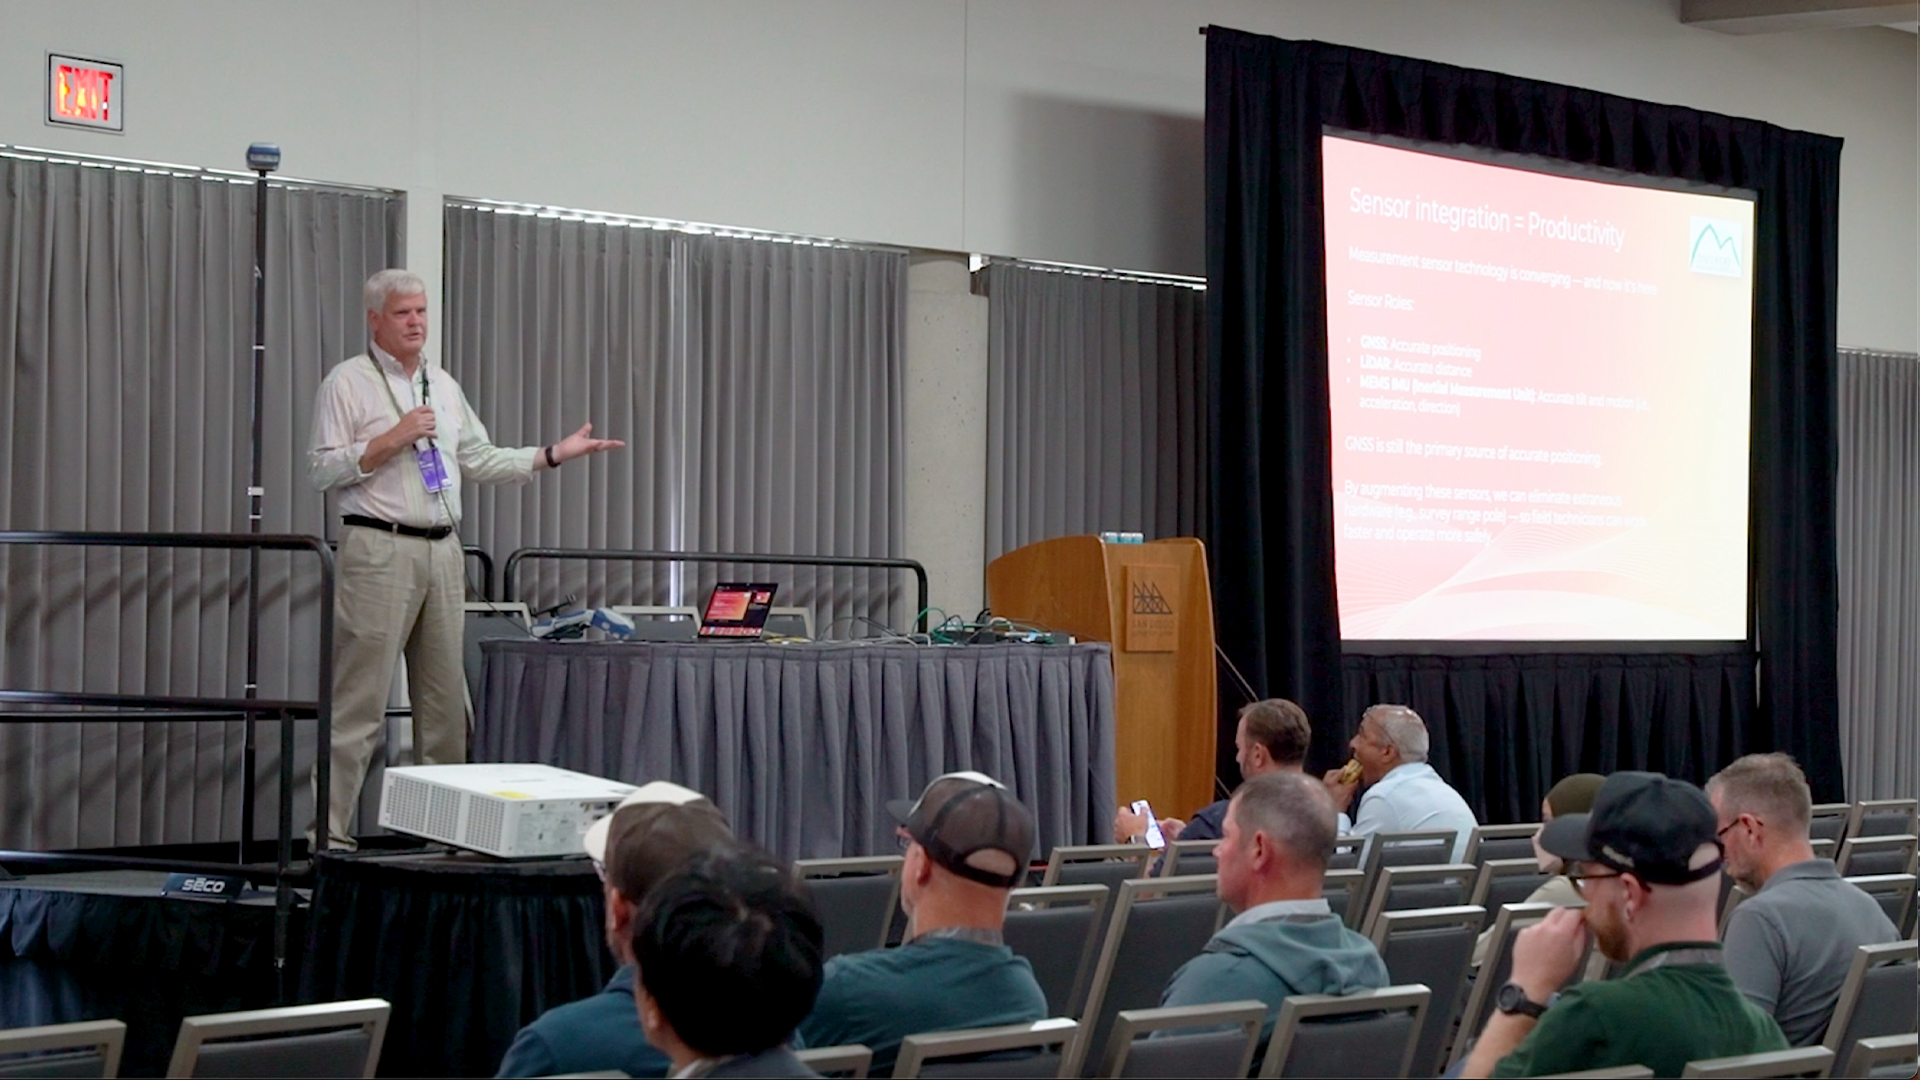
(1540, 402)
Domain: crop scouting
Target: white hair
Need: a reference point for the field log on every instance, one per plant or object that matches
(388, 284)
(1404, 729)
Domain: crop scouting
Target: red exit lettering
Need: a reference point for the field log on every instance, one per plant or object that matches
(83, 93)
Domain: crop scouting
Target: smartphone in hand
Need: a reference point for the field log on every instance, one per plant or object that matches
(1155, 838)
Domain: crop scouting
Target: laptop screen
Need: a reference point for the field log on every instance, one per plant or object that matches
(737, 610)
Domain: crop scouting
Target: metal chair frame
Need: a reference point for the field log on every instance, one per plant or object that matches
(1130, 1024)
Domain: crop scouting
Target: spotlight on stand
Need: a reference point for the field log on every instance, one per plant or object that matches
(263, 157)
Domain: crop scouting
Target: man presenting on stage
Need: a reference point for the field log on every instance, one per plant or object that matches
(394, 436)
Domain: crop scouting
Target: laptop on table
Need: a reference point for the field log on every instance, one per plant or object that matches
(737, 610)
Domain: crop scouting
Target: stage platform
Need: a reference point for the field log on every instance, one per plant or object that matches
(467, 949)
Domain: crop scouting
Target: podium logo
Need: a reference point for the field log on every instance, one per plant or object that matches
(1147, 600)
(1713, 246)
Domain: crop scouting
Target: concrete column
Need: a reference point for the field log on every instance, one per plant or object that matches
(946, 407)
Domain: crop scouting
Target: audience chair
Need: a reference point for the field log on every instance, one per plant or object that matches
(1506, 881)
(1405, 888)
(1824, 849)
(1097, 864)
(1350, 853)
(1805, 1061)
(1158, 924)
(1190, 857)
(1829, 821)
(1886, 1056)
(855, 897)
(1342, 890)
(1863, 856)
(1433, 948)
(1489, 842)
(85, 1049)
(1054, 1041)
(335, 1038)
(1494, 969)
(1426, 847)
(1366, 1033)
(1058, 930)
(1616, 1072)
(1226, 1051)
(1883, 817)
(1895, 892)
(1879, 997)
(852, 1060)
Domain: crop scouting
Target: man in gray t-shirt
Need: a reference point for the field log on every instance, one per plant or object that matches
(1789, 946)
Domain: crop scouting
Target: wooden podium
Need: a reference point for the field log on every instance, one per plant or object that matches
(1153, 603)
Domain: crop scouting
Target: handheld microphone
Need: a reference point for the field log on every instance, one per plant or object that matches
(424, 399)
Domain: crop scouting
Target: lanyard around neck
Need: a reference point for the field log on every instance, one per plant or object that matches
(388, 387)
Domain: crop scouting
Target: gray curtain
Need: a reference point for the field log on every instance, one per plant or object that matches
(125, 338)
(1879, 545)
(1095, 410)
(756, 380)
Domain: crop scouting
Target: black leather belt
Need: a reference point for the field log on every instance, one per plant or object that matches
(437, 532)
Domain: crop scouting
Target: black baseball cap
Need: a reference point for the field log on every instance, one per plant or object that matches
(972, 825)
(1644, 824)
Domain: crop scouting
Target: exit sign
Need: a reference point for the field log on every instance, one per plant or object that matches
(85, 93)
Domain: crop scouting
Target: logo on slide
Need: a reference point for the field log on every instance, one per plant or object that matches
(1713, 247)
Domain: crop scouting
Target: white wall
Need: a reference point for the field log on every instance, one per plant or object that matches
(1064, 129)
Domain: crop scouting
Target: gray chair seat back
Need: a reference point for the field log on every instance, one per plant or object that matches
(1803, 1061)
(1061, 940)
(1433, 949)
(77, 1064)
(1370, 1033)
(1200, 1054)
(1863, 856)
(87, 1048)
(1404, 888)
(1506, 881)
(1879, 997)
(1884, 817)
(1895, 894)
(1490, 842)
(1828, 821)
(1043, 1063)
(1189, 857)
(1147, 940)
(1187, 1040)
(855, 907)
(328, 1053)
(1341, 889)
(1108, 873)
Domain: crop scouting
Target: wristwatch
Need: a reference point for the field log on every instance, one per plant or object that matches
(1513, 1000)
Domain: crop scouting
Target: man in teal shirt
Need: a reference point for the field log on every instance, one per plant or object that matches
(1647, 861)
(968, 841)
(1284, 939)
(652, 833)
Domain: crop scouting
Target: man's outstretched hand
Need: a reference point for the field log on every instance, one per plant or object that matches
(581, 443)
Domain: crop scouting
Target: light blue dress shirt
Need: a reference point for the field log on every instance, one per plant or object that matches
(1411, 798)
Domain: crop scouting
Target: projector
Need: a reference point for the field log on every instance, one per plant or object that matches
(508, 811)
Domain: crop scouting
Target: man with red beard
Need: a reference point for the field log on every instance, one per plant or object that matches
(1647, 862)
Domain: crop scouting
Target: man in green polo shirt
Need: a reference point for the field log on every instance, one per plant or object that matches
(1647, 862)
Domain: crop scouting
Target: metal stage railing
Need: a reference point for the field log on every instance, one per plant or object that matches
(508, 578)
(181, 709)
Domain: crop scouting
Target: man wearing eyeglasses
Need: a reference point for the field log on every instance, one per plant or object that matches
(1647, 864)
(1789, 947)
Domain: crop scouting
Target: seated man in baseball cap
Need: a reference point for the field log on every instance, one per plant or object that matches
(968, 841)
(1648, 864)
(654, 832)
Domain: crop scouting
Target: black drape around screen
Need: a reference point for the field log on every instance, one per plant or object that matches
(1271, 520)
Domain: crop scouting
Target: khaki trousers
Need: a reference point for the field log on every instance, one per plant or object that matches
(393, 594)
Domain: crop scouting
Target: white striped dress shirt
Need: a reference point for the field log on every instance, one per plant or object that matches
(352, 409)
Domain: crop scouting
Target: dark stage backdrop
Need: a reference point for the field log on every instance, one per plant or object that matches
(1505, 727)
